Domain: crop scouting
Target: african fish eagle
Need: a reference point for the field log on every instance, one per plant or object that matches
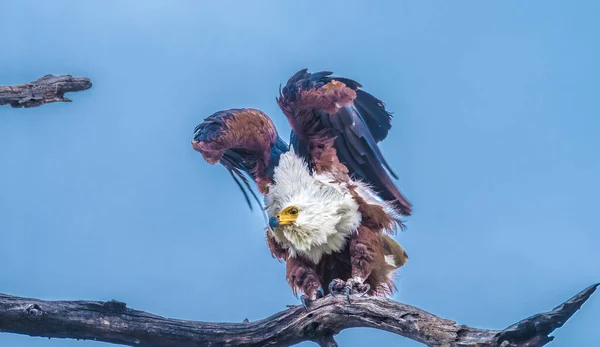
(329, 197)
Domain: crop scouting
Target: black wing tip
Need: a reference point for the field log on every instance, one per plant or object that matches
(212, 125)
(387, 166)
(248, 201)
(400, 203)
(405, 208)
(303, 75)
(375, 114)
(237, 175)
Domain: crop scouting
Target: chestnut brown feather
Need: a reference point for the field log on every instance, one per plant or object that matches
(363, 256)
(243, 140)
(328, 113)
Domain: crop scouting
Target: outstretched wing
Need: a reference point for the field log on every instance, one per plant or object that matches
(322, 108)
(243, 141)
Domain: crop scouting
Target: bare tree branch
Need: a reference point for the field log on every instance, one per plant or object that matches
(113, 322)
(42, 91)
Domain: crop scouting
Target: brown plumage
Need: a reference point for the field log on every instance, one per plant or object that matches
(362, 257)
(336, 127)
(243, 140)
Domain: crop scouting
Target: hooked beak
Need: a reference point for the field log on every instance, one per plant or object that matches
(281, 220)
(273, 222)
(286, 219)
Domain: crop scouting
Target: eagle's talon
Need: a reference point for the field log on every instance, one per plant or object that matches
(366, 290)
(320, 293)
(348, 289)
(356, 286)
(336, 286)
(305, 300)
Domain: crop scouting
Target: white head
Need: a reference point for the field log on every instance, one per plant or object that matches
(308, 214)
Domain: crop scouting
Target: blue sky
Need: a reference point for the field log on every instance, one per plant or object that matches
(494, 139)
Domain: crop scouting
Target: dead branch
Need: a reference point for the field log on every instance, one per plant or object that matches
(113, 322)
(45, 90)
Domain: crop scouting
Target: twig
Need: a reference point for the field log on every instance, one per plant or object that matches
(115, 323)
(45, 90)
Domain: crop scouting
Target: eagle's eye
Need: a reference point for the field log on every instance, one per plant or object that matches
(293, 211)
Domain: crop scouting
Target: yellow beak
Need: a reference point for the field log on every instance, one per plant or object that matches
(288, 216)
(286, 219)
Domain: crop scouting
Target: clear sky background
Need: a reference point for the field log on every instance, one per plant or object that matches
(495, 139)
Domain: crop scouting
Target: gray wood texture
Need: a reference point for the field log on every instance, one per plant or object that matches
(114, 322)
(42, 91)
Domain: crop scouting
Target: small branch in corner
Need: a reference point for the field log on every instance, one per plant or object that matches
(45, 90)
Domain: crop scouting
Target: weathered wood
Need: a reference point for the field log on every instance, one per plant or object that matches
(115, 323)
(44, 90)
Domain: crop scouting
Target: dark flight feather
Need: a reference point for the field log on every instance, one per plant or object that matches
(245, 142)
(357, 126)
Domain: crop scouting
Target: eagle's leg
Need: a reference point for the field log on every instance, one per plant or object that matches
(302, 277)
(363, 248)
(363, 251)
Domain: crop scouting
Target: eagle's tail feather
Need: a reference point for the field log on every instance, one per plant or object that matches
(394, 253)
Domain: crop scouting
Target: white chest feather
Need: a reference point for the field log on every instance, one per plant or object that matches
(327, 212)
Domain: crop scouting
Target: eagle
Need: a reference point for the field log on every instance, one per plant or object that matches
(328, 195)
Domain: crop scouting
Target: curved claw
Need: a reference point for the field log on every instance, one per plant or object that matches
(321, 292)
(331, 288)
(304, 299)
(348, 294)
(368, 287)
